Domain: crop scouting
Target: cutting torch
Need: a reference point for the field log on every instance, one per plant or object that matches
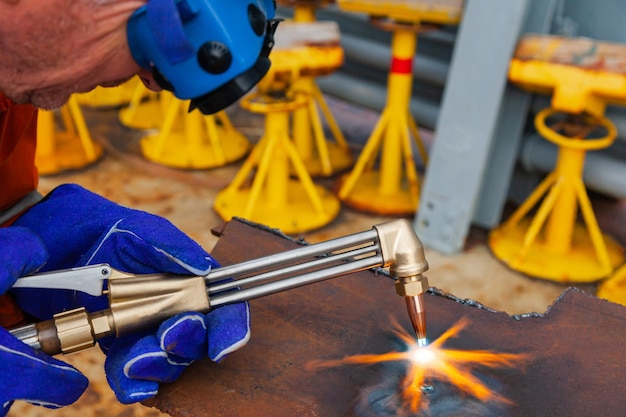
(138, 302)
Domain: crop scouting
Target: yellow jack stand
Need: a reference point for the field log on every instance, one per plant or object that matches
(321, 157)
(145, 109)
(566, 251)
(109, 97)
(304, 50)
(272, 197)
(191, 140)
(63, 150)
(614, 288)
(377, 183)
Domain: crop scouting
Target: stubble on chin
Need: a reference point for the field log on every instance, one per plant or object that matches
(47, 100)
(49, 103)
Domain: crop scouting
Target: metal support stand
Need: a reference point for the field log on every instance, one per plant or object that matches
(145, 109)
(71, 147)
(191, 140)
(580, 90)
(384, 179)
(567, 251)
(271, 196)
(322, 156)
(614, 288)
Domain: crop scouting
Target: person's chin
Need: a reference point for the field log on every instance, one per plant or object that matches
(49, 101)
(114, 83)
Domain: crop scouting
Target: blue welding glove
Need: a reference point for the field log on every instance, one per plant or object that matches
(161, 357)
(26, 374)
(81, 228)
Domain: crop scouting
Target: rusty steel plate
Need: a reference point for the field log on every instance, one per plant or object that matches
(577, 364)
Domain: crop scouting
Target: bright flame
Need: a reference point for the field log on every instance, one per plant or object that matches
(433, 362)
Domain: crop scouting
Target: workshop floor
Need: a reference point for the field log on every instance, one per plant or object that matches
(186, 199)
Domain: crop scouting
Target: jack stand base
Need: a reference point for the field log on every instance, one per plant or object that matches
(580, 264)
(340, 160)
(178, 138)
(225, 145)
(263, 191)
(69, 154)
(296, 217)
(614, 288)
(145, 114)
(67, 147)
(367, 196)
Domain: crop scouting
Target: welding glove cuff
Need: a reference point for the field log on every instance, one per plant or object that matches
(32, 376)
(27, 374)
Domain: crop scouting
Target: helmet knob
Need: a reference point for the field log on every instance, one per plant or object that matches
(214, 57)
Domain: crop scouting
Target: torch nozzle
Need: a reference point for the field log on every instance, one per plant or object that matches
(413, 289)
(417, 315)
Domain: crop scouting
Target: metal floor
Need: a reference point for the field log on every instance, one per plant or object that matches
(186, 199)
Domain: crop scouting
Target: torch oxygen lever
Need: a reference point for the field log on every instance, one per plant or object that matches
(88, 279)
(143, 301)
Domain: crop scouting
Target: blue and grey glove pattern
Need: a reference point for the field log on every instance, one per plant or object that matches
(26, 374)
(81, 228)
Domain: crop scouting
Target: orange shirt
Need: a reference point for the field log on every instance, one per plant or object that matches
(18, 137)
(18, 174)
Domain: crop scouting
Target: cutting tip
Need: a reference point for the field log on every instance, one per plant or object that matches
(422, 341)
(417, 315)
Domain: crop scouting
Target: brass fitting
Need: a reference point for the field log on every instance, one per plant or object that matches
(411, 286)
(75, 329)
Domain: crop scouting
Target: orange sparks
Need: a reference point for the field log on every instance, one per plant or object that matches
(433, 362)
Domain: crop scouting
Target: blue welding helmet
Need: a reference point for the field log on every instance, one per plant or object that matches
(211, 52)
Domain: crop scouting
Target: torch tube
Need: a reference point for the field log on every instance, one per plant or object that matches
(417, 315)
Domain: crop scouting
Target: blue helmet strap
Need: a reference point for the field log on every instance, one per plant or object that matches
(167, 28)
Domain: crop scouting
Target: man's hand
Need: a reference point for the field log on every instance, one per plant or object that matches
(26, 374)
(136, 365)
(81, 228)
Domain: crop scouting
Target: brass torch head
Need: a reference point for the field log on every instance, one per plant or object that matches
(403, 253)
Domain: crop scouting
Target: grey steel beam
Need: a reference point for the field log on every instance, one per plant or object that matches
(468, 121)
(514, 110)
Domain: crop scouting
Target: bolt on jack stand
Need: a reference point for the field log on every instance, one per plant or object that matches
(64, 148)
(191, 140)
(377, 184)
(321, 51)
(271, 196)
(566, 251)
